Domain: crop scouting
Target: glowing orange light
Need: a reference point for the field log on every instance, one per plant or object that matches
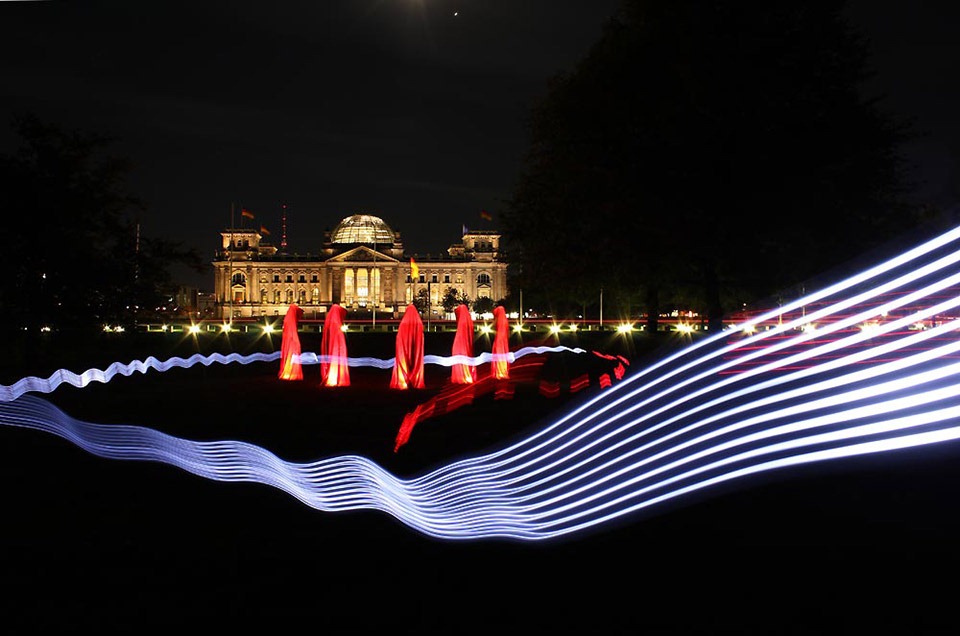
(501, 345)
(335, 372)
(463, 345)
(290, 368)
(408, 365)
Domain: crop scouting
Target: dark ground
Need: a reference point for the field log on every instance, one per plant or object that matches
(866, 545)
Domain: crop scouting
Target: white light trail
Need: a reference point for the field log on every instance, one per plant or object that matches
(735, 404)
(61, 376)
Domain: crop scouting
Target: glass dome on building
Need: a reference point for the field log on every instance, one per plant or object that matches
(362, 228)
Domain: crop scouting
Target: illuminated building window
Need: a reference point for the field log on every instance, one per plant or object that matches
(348, 285)
(483, 279)
(363, 289)
(289, 296)
(446, 278)
(315, 296)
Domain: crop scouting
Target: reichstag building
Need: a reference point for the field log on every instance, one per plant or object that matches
(361, 266)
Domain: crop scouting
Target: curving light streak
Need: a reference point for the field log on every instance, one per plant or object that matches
(48, 385)
(813, 386)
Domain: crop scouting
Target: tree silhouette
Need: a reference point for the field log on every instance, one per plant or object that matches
(707, 150)
(483, 305)
(422, 300)
(452, 297)
(74, 256)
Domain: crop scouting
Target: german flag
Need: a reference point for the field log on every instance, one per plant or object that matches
(246, 213)
(264, 230)
(486, 216)
(414, 269)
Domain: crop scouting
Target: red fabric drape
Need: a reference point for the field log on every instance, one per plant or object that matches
(408, 366)
(290, 368)
(501, 344)
(463, 346)
(336, 372)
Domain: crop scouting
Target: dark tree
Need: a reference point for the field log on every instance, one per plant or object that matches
(483, 305)
(706, 151)
(422, 300)
(74, 255)
(452, 298)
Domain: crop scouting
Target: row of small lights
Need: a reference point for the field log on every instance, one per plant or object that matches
(485, 328)
(518, 328)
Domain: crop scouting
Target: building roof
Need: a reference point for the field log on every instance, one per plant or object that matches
(362, 228)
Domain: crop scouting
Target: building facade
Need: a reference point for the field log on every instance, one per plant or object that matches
(361, 266)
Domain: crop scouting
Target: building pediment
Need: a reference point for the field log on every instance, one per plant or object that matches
(362, 254)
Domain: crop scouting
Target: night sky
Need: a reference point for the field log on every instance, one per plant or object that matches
(409, 109)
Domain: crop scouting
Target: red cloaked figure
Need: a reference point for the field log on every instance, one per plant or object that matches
(408, 366)
(290, 368)
(335, 372)
(501, 344)
(463, 346)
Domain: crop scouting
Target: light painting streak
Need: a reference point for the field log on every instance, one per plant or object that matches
(802, 383)
(31, 384)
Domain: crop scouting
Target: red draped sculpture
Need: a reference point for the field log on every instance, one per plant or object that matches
(290, 368)
(501, 344)
(463, 346)
(335, 372)
(408, 365)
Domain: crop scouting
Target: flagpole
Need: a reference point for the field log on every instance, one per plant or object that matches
(601, 309)
(230, 263)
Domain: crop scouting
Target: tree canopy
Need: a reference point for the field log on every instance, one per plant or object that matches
(707, 153)
(452, 298)
(75, 256)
